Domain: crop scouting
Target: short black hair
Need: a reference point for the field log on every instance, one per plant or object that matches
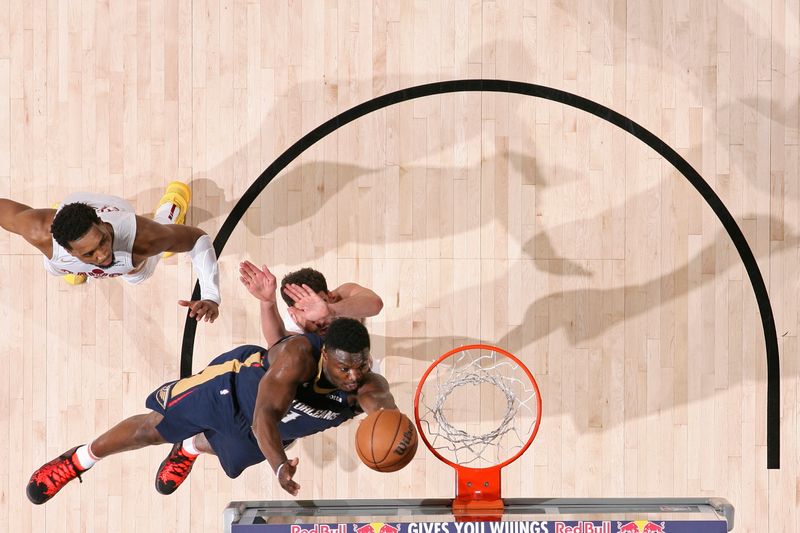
(347, 334)
(72, 222)
(308, 276)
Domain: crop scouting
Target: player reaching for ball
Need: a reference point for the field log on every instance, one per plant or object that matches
(246, 406)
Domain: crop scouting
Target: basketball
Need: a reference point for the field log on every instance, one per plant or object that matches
(386, 440)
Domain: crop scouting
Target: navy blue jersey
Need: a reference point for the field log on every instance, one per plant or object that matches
(220, 400)
(317, 406)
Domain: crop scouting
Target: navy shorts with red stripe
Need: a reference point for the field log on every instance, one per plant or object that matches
(211, 408)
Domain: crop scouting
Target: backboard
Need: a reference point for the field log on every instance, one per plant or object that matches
(521, 515)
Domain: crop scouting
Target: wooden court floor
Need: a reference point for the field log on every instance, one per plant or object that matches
(477, 217)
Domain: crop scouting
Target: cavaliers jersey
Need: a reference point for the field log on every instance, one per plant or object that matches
(318, 405)
(121, 216)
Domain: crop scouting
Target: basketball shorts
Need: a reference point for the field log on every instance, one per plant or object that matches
(210, 407)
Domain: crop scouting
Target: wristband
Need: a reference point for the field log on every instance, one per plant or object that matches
(278, 470)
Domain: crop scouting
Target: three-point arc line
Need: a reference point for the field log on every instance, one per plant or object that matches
(570, 99)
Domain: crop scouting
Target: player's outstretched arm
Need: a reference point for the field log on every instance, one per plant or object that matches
(153, 238)
(27, 222)
(261, 283)
(348, 300)
(355, 301)
(10, 212)
(290, 367)
(375, 394)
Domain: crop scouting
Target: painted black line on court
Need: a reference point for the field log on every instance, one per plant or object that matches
(573, 100)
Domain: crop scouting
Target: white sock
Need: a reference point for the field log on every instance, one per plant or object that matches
(189, 447)
(167, 213)
(86, 459)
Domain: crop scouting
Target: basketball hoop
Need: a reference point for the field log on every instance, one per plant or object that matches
(477, 409)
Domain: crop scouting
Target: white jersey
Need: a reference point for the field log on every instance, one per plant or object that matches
(290, 326)
(121, 216)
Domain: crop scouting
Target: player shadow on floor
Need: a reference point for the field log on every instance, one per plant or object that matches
(626, 303)
(205, 192)
(561, 311)
(211, 203)
(540, 247)
(742, 111)
(327, 178)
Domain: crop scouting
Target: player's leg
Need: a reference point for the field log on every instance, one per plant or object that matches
(201, 444)
(175, 468)
(191, 406)
(130, 434)
(205, 400)
(234, 445)
(173, 205)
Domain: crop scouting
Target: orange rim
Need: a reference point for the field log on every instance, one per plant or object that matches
(493, 349)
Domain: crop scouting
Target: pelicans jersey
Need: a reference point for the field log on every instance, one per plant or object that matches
(220, 401)
(122, 218)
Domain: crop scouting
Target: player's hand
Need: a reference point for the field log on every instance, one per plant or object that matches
(260, 283)
(285, 475)
(205, 310)
(308, 302)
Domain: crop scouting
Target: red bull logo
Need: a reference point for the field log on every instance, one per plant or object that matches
(583, 527)
(319, 528)
(641, 526)
(374, 527)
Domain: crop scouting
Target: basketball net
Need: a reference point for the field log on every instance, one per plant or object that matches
(477, 409)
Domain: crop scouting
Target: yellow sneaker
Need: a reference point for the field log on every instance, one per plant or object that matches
(177, 193)
(180, 194)
(74, 279)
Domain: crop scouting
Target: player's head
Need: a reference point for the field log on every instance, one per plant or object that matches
(345, 355)
(316, 281)
(78, 229)
(305, 276)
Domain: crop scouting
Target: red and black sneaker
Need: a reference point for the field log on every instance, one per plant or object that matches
(53, 476)
(174, 470)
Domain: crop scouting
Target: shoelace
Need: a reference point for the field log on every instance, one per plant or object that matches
(60, 473)
(179, 463)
